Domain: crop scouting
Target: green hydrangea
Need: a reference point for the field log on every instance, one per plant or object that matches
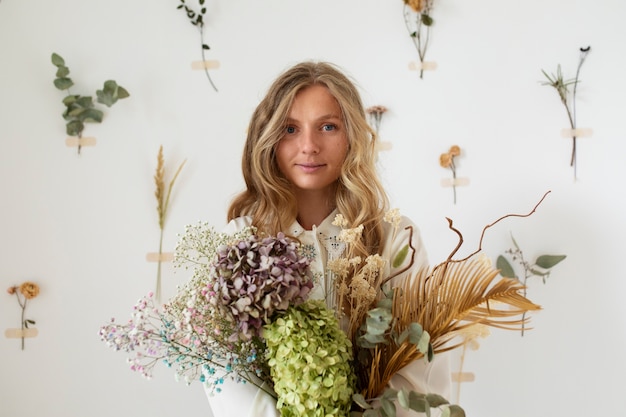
(310, 362)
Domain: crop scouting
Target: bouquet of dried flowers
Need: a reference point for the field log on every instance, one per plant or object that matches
(422, 314)
(212, 328)
(244, 315)
(24, 292)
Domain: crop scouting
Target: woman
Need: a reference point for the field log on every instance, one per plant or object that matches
(309, 155)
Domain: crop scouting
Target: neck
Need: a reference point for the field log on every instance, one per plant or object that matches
(313, 209)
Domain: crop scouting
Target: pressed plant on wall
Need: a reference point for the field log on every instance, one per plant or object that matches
(80, 109)
(196, 18)
(418, 20)
(446, 160)
(162, 194)
(567, 97)
(540, 267)
(24, 292)
(375, 116)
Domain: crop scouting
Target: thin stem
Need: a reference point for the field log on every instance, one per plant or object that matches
(23, 320)
(158, 283)
(206, 70)
(583, 55)
(453, 168)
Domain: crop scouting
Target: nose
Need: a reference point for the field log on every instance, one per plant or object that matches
(309, 142)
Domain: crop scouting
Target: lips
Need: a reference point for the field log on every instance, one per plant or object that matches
(310, 167)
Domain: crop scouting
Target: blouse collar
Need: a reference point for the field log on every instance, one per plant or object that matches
(326, 227)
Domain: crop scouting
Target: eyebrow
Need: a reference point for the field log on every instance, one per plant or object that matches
(328, 116)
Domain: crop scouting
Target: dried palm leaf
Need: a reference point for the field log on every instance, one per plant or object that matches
(445, 301)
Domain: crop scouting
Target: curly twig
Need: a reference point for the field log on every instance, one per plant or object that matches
(482, 236)
(403, 270)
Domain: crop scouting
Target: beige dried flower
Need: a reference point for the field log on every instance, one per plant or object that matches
(340, 221)
(29, 290)
(445, 160)
(454, 150)
(351, 235)
(393, 217)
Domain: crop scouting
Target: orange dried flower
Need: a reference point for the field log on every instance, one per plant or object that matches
(29, 289)
(454, 150)
(445, 160)
(416, 5)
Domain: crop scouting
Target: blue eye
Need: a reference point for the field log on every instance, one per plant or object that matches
(290, 129)
(329, 128)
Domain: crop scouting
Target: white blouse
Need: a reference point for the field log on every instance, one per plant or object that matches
(320, 245)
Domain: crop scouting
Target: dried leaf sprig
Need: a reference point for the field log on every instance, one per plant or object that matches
(80, 109)
(24, 292)
(568, 99)
(446, 160)
(196, 18)
(541, 267)
(163, 195)
(418, 21)
(375, 115)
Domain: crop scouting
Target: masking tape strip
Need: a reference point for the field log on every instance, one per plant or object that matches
(74, 141)
(581, 132)
(202, 65)
(463, 376)
(426, 65)
(449, 182)
(159, 257)
(19, 333)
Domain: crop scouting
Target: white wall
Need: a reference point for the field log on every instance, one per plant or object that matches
(80, 226)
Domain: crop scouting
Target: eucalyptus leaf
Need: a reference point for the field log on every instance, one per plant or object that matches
(74, 128)
(424, 343)
(403, 399)
(370, 413)
(456, 411)
(416, 331)
(122, 92)
(63, 83)
(92, 116)
(85, 102)
(417, 402)
(506, 270)
(71, 99)
(57, 60)
(436, 400)
(426, 20)
(400, 257)
(359, 399)
(62, 72)
(549, 261)
(388, 407)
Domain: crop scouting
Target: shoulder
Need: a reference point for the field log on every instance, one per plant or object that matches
(237, 224)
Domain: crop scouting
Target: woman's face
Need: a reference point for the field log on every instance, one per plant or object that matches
(314, 144)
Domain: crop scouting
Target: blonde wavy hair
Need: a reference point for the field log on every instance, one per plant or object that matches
(268, 197)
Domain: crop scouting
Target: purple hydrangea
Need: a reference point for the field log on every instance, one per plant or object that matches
(256, 277)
